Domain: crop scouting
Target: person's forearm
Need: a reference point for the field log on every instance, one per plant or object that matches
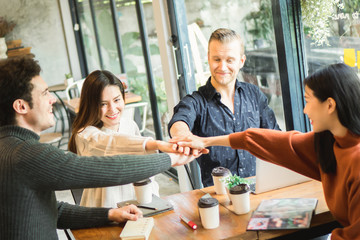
(217, 141)
(179, 129)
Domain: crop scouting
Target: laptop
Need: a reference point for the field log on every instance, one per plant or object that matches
(270, 176)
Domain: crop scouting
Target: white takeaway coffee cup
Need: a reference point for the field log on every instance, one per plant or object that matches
(219, 174)
(209, 212)
(143, 191)
(240, 198)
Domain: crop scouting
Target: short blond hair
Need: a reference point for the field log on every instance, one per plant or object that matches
(225, 35)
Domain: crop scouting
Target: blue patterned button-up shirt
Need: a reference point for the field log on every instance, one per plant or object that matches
(206, 115)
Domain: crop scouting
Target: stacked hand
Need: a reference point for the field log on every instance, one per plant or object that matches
(190, 143)
(173, 147)
(187, 149)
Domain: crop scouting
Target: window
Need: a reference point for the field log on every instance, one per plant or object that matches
(334, 36)
(98, 39)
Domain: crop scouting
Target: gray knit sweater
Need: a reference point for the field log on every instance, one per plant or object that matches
(30, 172)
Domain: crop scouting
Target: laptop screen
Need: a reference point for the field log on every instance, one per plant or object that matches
(270, 176)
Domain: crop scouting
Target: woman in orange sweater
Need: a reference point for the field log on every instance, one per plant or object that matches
(330, 153)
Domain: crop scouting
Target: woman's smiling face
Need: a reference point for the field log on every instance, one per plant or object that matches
(112, 106)
(317, 111)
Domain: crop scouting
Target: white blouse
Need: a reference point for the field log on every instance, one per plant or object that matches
(93, 141)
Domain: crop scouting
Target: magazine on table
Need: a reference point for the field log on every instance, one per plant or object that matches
(283, 213)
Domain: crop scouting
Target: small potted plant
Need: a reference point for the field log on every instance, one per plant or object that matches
(68, 79)
(234, 180)
(238, 190)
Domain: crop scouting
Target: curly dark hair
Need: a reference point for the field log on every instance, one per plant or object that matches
(15, 83)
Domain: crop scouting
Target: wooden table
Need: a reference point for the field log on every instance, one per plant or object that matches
(169, 226)
(73, 104)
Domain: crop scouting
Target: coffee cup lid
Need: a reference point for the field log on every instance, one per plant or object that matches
(207, 202)
(239, 189)
(142, 183)
(220, 171)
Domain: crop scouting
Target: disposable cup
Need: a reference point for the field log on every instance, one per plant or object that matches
(143, 191)
(240, 198)
(219, 174)
(209, 212)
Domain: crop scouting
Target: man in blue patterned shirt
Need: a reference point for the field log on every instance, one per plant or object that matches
(223, 106)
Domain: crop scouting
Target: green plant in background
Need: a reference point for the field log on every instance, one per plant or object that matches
(68, 75)
(351, 25)
(261, 22)
(138, 81)
(139, 86)
(316, 18)
(131, 46)
(234, 180)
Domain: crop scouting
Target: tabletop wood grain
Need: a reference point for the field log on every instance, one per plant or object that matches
(169, 226)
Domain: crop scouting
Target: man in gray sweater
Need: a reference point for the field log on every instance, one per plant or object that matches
(31, 172)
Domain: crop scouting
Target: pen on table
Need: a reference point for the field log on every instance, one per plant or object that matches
(145, 207)
(188, 222)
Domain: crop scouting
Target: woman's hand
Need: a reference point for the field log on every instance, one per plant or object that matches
(167, 147)
(130, 212)
(195, 142)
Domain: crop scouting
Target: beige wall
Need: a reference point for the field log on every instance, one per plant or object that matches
(39, 26)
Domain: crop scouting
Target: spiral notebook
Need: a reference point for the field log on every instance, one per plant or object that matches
(160, 205)
(136, 230)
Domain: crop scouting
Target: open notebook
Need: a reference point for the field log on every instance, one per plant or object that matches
(160, 204)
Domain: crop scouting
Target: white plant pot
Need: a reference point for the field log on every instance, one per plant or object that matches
(69, 81)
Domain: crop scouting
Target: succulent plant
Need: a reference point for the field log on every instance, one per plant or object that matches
(234, 180)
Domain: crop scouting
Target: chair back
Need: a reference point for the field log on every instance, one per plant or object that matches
(55, 135)
(74, 90)
(130, 111)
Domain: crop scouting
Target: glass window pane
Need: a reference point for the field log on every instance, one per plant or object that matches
(131, 47)
(88, 35)
(107, 39)
(254, 23)
(133, 55)
(334, 37)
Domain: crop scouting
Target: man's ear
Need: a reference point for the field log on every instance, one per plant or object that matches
(242, 61)
(331, 105)
(243, 58)
(21, 106)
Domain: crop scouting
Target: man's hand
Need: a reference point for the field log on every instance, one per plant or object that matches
(130, 212)
(190, 141)
(181, 129)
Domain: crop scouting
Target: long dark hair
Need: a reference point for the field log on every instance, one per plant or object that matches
(340, 82)
(90, 102)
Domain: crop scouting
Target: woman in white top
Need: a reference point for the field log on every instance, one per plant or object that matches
(98, 129)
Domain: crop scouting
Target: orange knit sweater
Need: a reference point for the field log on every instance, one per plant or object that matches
(295, 151)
